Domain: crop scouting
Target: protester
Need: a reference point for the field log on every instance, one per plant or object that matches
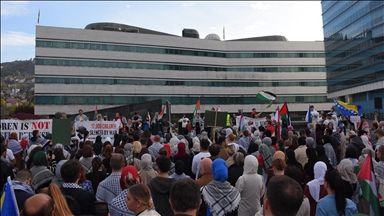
(349, 179)
(185, 202)
(284, 197)
(251, 187)
(129, 177)
(39, 204)
(315, 189)
(147, 173)
(236, 170)
(295, 173)
(300, 154)
(81, 117)
(6, 170)
(61, 206)
(205, 172)
(179, 171)
(110, 187)
(334, 185)
(161, 185)
(70, 172)
(41, 175)
(98, 145)
(107, 154)
(204, 145)
(292, 159)
(139, 201)
(87, 157)
(97, 174)
(309, 175)
(84, 183)
(16, 149)
(22, 187)
(182, 155)
(220, 197)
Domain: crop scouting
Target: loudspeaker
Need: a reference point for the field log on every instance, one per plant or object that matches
(378, 103)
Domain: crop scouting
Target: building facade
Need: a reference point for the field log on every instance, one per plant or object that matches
(354, 50)
(82, 68)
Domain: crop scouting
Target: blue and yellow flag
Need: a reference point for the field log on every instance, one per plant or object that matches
(347, 109)
(8, 205)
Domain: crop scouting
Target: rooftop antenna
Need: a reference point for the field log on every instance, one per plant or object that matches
(38, 17)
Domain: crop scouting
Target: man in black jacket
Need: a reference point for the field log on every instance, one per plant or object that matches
(185, 202)
(70, 172)
(6, 170)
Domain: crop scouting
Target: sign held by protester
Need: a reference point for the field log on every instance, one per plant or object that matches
(103, 128)
(22, 127)
(256, 121)
(354, 119)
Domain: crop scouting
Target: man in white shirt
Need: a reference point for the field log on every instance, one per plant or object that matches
(204, 145)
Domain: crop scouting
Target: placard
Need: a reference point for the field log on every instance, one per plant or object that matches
(103, 128)
(22, 127)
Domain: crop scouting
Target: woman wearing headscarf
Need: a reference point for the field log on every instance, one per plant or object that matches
(265, 160)
(322, 157)
(41, 175)
(129, 158)
(147, 172)
(205, 172)
(308, 167)
(251, 187)
(129, 177)
(345, 169)
(292, 159)
(219, 196)
(315, 189)
(237, 169)
(182, 155)
(231, 150)
(343, 140)
(97, 145)
(366, 152)
(352, 155)
(268, 141)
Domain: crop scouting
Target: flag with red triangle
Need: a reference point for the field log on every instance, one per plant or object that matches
(284, 113)
(95, 115)
(197, 108)
(367, 180)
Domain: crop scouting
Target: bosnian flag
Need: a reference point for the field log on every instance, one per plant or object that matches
(8, 204)
(367, 181)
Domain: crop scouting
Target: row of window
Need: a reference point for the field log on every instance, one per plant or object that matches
(350, 82)
(159, 50)
(136, 65)
(112, 100)
(120, 81)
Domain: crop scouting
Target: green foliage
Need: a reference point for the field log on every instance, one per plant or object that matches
(17, 68)
(22, 108)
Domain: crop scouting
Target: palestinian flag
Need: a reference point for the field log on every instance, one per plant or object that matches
(276, 121)
(197, 108)
(284, 113)
(266, 95)
(162, 112)
(367, 181)
(95, 115)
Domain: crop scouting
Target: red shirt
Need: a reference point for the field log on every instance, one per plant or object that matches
(189, 127)
(271, 128)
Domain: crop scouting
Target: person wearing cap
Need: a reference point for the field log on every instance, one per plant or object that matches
(380, 137)
(81, 117)
(362, 126)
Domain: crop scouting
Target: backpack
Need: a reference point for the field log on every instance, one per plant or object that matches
(72, 202)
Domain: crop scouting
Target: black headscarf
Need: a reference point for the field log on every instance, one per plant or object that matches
(292, 159)
(321, 156)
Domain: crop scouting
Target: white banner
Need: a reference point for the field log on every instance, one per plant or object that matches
(354, 119)
(22, 127)
(103, 128)
(256, 121)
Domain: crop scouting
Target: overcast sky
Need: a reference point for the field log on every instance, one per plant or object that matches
(298, 21)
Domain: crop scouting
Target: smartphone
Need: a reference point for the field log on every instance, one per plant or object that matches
(101, 209)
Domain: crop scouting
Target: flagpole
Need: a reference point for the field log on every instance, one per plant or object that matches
(214, 128)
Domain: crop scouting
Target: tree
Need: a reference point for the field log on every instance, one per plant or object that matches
(3, 102)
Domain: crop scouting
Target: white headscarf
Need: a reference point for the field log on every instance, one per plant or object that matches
(314, 186)
(366, 142)
(250, 164)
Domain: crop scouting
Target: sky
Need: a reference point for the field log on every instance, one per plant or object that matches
(296, 20)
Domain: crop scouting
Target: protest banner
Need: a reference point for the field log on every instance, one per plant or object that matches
(22, 127)
(355, 120)
(256, 121)
(103, 128)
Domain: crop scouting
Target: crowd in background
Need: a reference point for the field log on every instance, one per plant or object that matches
(233, 171)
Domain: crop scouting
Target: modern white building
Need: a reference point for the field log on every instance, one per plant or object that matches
(109, 65)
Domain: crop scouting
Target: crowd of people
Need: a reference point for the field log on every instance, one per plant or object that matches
(311, 171)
